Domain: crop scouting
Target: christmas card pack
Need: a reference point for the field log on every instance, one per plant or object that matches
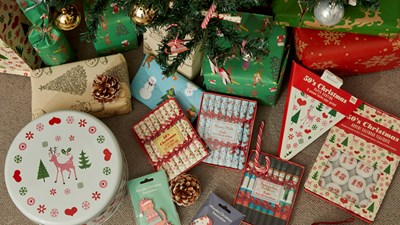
(116, 31)
(313, 105)
(98, 86)
(380, 22)
(215, 211)
(169, 140)
(17, 55)
(226, 124)
(357, 162)
(256, 78)
(152, 38)
(345, 53)
(152, 200)
(152, 88)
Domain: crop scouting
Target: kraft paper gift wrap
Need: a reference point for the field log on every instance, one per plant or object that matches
(17, 55)
(69, 86)
(152, 88)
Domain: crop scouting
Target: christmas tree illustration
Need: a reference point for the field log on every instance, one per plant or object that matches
(295, 117)
(73, 82)
(332, 139)
(361, 107)
(84, 160)
(345, 142)
(3, 57)
(332, 113)
(387, 170)
(275, 67)
(315, 175)
(121, 29)
(371, 208)
(42, 173)
(170, 94)
(320, 106)
(375, 165)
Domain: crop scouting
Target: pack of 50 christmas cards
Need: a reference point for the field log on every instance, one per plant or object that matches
(314, 104)
(169, 140)
(357, 162)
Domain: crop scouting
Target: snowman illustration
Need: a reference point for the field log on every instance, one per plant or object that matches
(146, 91)
(190, 88)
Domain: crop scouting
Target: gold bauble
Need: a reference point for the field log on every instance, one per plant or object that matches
(141, 15)
(68, 19)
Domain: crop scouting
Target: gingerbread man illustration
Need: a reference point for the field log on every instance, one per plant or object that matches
(147, 210)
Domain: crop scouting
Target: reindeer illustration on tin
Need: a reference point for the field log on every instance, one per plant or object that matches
(61, 167)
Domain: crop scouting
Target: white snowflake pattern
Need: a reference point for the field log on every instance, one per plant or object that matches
(300, 46)
(58, 138)
(71, 137)
(67, 191)
(323, 65)
(70, 119)
(379, 60)
(85, 205)
(54, 212)
(331, 37)
(39, 126)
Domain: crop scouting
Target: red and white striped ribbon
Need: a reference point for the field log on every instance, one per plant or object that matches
(209, 15)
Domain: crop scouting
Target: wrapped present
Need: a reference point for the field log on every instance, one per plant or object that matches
(49, 42)
(190, 69)
(116, 31)
(357, 162)
(381, 22)
(98, 86)
(313, 105)
(152, 88)
(345, 53)
(16, 53)
(259, 79)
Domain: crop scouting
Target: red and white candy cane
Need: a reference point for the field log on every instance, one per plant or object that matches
(209, 15)
(257, 153)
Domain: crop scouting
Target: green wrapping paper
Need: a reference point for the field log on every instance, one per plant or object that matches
(48, 41)
(116, 32)
(383, 22)
(259, 79)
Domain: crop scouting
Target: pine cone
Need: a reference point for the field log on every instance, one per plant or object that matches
(105, 88)
(185, 189)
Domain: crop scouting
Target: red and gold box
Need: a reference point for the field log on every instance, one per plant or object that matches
(346, 53)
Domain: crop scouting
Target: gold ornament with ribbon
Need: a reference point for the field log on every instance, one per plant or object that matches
(142, 16)
(68, 19)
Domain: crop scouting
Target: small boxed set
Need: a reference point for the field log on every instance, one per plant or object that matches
(17, 55)
(357, 162)
(169, 140)
(346, 54)
(66, 167)
(152, 200)
(152, 88)
(215, 211)
(313, 105)
(97, 86)
(225, 124)
(269, 188)
(191, 67)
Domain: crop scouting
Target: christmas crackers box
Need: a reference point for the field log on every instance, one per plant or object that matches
(313, 105)
(381, 22)
(152, 38)
(225, 124)
(98, 86)
(116, 32)
(151, 87)
(17, 55)
(346, 53)
(259, 79)
(357, 162)
(169, 140)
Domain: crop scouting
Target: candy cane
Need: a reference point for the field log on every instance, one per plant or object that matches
(209, 15)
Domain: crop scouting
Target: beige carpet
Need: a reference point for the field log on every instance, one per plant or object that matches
(380, 89)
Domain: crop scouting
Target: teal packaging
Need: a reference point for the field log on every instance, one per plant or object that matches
(152, 200)
(152, 88)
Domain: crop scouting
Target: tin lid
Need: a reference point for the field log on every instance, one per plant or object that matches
(63, 168)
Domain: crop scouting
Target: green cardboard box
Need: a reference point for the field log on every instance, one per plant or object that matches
(383, 22)
(260, 79)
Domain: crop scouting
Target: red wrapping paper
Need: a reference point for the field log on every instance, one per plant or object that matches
(346, 54)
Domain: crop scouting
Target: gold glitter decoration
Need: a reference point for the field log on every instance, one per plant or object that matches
(118, 72)
(74, 82)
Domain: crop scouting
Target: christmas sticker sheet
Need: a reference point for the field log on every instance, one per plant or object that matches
(169, 140)
(152, 88)
(66, 166)
(357, 162)
(225, 124)
(313, 106)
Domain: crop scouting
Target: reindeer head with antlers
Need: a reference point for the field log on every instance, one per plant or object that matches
(52, 153)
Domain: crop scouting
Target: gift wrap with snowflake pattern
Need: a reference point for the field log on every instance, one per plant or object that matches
(66, 167)
(69, 86)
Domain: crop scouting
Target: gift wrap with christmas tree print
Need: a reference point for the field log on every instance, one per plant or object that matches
(152, 38)
(259, 79)
(17, 55)
(385, 21)
(69, 86)
(66, 167)
(357, 162)
(116, 32)
(152, 88)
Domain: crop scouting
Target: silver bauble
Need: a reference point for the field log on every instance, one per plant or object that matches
(329, 13)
